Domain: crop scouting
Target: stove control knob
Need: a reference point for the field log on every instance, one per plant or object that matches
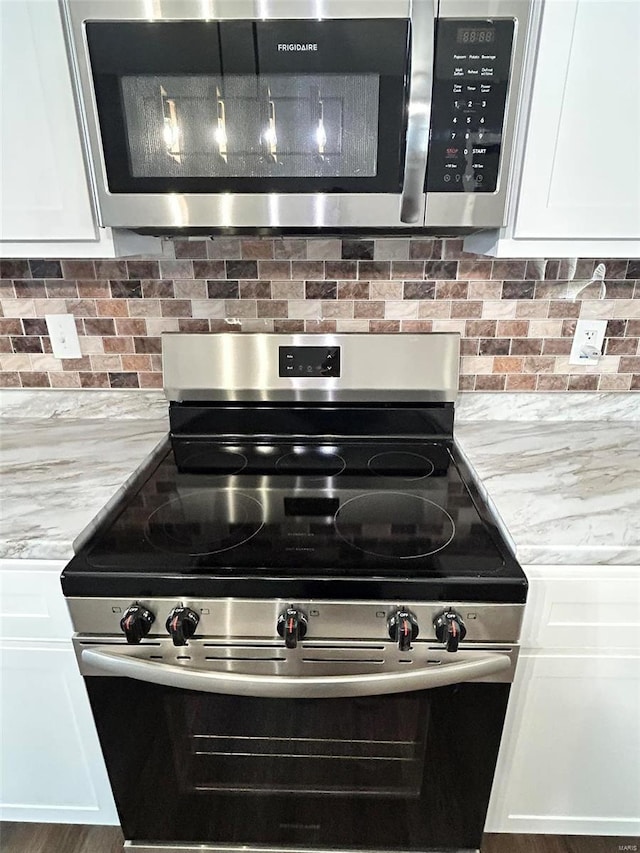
(449, 629)
(292, 625)
(182, 624)
(403, 629)
(136, 622)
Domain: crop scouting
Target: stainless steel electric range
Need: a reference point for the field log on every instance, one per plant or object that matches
(299, 627)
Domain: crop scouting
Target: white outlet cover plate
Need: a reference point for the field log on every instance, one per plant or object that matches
(64, 335)
(588, 333)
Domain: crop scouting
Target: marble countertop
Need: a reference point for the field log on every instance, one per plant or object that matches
(564, 491)
(59, 475)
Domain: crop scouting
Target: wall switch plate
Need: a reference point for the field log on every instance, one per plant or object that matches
(588, 341)
(64, 335)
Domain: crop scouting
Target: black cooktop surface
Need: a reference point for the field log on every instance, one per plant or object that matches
(375, 513)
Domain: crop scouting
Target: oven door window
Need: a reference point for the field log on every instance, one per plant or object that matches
(399, 772)
(286, 106)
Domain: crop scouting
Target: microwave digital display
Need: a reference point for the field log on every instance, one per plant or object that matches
(475, 35)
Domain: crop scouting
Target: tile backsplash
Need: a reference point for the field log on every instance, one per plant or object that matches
(516, 317)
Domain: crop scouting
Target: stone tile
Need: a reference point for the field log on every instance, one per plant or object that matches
(225, 248)
(176, 269)
(191, 289)
(307, 270)
(321, 290)
(583, 383)
(520, 382)
(256, 249)
(385, 290)
(157, 289)
(430, 250)
(255, 290)
(288, 327)
(45, 269)
(392, 249)
(143, 269)
(466, 308)
(222, 289)
(518, 289)
(10, 268)
(368, 310)
(550, 382)
(507, 364)
(272, 308)
(419, 290)
(324, 250)
(242, 308)
(287, 289)
(274, 269)
(190, 249)
(370, 270)
(526, 346)
(407, 269)
(494, 346)
(508, 270)
(76, 269)
(341, 269)
(490, 383)
(357, 250)
(224, 269)
(290, 250)
(353, 290)
(614, 382)
(401, 310)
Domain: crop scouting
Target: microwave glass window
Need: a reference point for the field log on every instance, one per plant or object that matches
(248, 126)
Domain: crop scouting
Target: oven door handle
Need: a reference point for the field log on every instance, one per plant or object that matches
(423, 15)
(454, 669)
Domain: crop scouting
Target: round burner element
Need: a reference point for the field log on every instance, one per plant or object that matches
(313, 462)
(403, 464)
(213, 460)
(394, 524)
(204, 522)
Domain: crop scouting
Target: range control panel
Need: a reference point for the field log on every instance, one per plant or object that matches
(471, 79)
(309, 362)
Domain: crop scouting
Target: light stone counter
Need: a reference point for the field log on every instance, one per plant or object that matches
(561, 471)
(565, 492)
(58, 475)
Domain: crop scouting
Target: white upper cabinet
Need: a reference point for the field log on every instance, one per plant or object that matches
(581, 174)
(46, 207)
(45, 193)
(579, 189)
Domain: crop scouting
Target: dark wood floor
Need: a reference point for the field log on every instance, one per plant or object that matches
(60, 838)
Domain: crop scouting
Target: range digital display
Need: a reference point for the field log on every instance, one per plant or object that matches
(476, 35)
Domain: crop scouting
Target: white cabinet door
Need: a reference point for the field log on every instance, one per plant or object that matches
(581, 174)
(51, 767)
(45, 192)
(569, 760)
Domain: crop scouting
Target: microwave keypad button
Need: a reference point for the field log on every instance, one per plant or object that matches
(468, 114)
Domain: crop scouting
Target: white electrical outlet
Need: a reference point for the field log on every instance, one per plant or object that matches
(588, 341)
(64, 335)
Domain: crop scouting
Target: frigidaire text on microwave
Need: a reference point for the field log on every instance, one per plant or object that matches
(299, 113)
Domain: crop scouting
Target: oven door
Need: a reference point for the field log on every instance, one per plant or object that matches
(298, 119)
(345, 758)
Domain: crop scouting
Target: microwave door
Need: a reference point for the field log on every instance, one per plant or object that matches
(287, 123)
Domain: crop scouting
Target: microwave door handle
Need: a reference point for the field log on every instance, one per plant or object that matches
(423, 15)
(463, 667)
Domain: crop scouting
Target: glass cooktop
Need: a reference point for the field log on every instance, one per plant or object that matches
(362, 509)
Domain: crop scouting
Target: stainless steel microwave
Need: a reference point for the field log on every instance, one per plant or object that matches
(299, 114)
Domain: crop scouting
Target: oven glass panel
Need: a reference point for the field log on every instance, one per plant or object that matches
(287, 106)
(400, 772)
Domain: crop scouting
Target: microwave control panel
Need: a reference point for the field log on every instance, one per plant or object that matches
(470, 84)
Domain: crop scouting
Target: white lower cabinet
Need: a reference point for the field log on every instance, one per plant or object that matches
(569, 761)
(52, 770)
(51, 766)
